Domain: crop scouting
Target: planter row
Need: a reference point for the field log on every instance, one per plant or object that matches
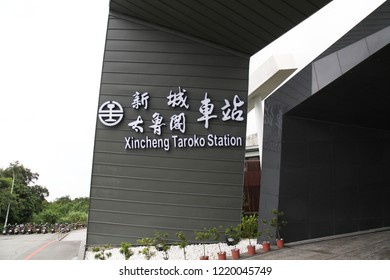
(266, 247)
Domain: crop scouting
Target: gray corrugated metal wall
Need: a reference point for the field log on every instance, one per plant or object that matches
(135, 192)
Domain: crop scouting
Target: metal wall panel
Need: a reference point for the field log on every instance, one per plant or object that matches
(137, 191)
(336, 182)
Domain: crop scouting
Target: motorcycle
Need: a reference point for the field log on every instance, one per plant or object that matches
(23, 229)
(44, 229)
(10, 229)
(30, 229)
(16, 230)
(64, 229)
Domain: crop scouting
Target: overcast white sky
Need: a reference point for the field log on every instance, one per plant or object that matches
(51, 55)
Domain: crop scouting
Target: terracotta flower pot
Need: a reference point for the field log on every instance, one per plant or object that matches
(235, 254)
(204, 258)
(266, 246)
(251, 250)
(280, 243)
(221, 255)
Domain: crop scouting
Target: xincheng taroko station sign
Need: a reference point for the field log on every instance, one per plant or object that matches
(111, 113)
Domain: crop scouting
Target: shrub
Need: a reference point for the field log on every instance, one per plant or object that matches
(100, 252)
(126, 250)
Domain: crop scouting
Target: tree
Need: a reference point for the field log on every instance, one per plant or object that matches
(26, 199)
(23, 175)
(64, 210)
(5, 195)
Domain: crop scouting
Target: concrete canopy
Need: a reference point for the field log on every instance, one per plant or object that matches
(243, 26)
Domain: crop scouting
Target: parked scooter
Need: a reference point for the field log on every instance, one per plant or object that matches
(22, 229)
(10, 229)
(16, 229)
(44, 229)
(30, 229)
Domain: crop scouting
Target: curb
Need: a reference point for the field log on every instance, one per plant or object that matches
(82, 250)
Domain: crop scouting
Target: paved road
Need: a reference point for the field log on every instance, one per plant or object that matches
(41, 246)
(368, 245)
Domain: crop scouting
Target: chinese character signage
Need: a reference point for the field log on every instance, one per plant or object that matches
(111, 114)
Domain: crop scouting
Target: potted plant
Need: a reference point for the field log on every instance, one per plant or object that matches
(278, 222)
(234, 234)
(183, 242)
(216, 235)
(249, 230)
(161, 243)
(267, 243)
(203, 236)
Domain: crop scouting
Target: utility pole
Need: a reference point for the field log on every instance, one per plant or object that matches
(9, 203)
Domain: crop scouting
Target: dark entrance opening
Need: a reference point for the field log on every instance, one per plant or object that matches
(335, 161)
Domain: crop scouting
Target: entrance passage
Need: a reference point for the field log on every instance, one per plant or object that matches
(335, 157)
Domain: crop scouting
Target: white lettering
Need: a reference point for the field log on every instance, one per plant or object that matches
(193, 141)
(224, 141)
(188, 142)
(147, 143)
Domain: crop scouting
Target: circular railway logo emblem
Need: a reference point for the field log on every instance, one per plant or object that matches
(110, 113)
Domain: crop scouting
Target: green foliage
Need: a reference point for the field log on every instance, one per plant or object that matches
(249, 225)
(126, 250)
(26, 199)
(183, 242)
(5, 183)
(161, 243)
(76, 217)
(64, 210)
(267, 229)
(234, 233)
(5, 193)
(203, 236)
(23, 175)
(278, 221)
(101, 252)
(147, 250)
(216, 235)
(46, 216)
(81, 204)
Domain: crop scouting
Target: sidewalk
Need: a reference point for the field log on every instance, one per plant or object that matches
(79, 235)
(365, 245)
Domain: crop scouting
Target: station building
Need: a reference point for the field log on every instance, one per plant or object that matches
(175, 94)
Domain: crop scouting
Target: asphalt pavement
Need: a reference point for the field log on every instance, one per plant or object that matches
(43, 246)
(364, 245)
